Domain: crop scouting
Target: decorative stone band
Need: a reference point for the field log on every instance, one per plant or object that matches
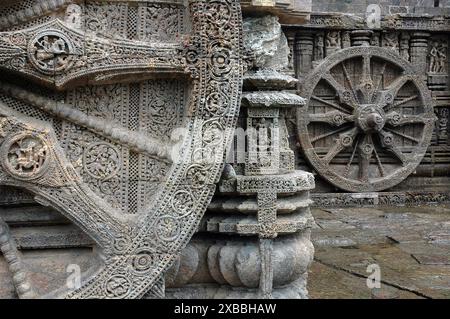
(345, 21)
(293, 182)
(272, 99)
(249, 205)
(286, 224)
(379, 199)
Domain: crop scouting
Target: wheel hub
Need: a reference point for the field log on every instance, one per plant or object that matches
(370, 118)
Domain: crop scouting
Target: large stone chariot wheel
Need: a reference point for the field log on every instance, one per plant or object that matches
(368, 120)
(132, 146)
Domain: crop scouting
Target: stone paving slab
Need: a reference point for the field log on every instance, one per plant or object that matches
(411, 246)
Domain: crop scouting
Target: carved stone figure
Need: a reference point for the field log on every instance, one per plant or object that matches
(438, 57)
(332, 42)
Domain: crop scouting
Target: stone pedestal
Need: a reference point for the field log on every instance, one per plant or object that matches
(254, 241)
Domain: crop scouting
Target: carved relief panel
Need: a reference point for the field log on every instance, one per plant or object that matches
(89, 125)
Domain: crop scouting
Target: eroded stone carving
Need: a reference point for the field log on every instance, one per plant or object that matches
(137, 249)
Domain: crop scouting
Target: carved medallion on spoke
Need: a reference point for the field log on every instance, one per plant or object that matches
(25, 156)
(51, 52)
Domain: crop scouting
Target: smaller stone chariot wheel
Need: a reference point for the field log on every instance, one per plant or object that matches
(368, 119)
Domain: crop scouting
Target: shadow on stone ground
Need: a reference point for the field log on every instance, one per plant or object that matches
(410, 245)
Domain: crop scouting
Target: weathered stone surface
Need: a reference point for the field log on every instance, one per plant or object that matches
(272, 99)
(411, 266)
(264, 38)
(101, 143)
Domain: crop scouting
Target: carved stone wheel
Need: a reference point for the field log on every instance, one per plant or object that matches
(368, 120)
(116, 170)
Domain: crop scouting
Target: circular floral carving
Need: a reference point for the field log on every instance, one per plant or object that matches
(395, 118)
(367, 149)
(167, 228)
(182, 202)
(220, 60)
(347, 140)
(338, 119)
(118, 286)
(25, 156)
(216, 103)
(121, 243)
(144, 261)
(101, 160)
(51, 52)
(388, 139)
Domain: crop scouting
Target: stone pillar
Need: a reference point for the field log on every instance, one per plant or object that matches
(361, 37)
(260, 253)
(418, 52)
(304, 44)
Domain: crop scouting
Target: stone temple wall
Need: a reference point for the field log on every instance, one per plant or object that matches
(359, 7)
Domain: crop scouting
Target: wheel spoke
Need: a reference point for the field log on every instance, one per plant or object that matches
(349, 163)
(395, 119)
(387, 141)
(380, 165)
(408, 137)
(319, 137)
(410, 98)
(345, 96)
(365, 154)
(383, 68)
(387, 95)
(366, 73)
(349, 80)
(343, 141)
(366, 86)
(335, 118)
(333, 105)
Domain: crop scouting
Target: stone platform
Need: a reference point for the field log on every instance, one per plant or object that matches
(411, 246)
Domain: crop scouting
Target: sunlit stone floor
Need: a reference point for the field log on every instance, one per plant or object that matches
(411, 246)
